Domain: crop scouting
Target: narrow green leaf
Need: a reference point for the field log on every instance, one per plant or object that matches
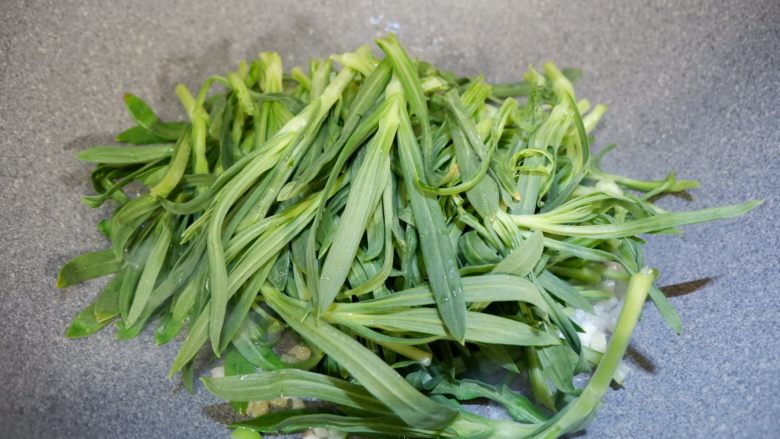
(126, 155)
(558, 363)
(500, 355)
(107, 302)
(85, 323)
(196, 337)
(114, 190)
(242, 93)
(480, 327)
(87, 266)
(523, 258)
(293, 383)
(363, 199)
(176, 167)
(280, 270)
(564, 291)
(168, 329)
(470, 152)
(483, 288)
(666, 309)
(91, 319)
(151, 270)
(370, 371)
(561, 320)
(140, 111)
(126, 221)
(439, 257)
(520, 408)
(476, 251)
(649, 224)
(378, 279)
(138, 135)
(144, 116)
(132, 273)
(297, 420)
(249, 341)
(244, 303)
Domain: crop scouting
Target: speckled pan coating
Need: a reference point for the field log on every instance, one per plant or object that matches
(692, 85)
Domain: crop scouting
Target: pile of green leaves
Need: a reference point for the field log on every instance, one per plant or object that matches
(409, 226)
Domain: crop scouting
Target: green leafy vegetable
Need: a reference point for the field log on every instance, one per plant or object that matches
(376, 236)
(87, 266)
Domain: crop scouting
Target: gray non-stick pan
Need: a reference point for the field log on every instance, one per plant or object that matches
(691, 85)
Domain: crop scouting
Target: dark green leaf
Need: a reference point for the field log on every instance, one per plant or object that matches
(87, 266)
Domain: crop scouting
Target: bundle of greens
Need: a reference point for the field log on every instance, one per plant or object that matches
(410, 230)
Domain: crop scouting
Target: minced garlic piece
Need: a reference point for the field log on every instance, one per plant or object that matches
(257, 408)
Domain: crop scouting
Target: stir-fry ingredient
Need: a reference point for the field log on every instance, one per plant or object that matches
(389, 238)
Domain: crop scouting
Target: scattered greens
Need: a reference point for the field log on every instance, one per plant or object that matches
(424, 239)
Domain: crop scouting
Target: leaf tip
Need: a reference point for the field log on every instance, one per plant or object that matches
(63, 280)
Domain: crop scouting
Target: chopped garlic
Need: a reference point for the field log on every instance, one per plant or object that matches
(257, 408)
(323, 433)
(279, 403)
(622, 372)
(300, 353)
(297, 403)
(598, 342)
